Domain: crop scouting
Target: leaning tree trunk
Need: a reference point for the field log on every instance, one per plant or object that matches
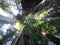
(53, 38)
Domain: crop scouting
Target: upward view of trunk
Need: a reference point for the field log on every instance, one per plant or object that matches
(25, 38)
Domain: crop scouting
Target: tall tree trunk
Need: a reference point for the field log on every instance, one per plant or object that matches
(24, 38)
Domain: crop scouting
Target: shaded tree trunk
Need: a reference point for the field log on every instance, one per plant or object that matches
(24, 38)
(53, 38)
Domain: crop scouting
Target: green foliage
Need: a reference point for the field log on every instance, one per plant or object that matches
(19, 26)
(48, 26)
(3, 4)
(6, 38)
(18, 1)
(36, 26)
(42, 14)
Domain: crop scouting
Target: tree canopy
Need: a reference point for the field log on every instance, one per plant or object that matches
(36, 15)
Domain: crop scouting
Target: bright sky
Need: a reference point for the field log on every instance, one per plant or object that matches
(14, 11)
(50, 9)
(13, 8)
(5, 27)
(4, 13)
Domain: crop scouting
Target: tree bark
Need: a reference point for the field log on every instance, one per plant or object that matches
(53, 38)
(25, 38)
